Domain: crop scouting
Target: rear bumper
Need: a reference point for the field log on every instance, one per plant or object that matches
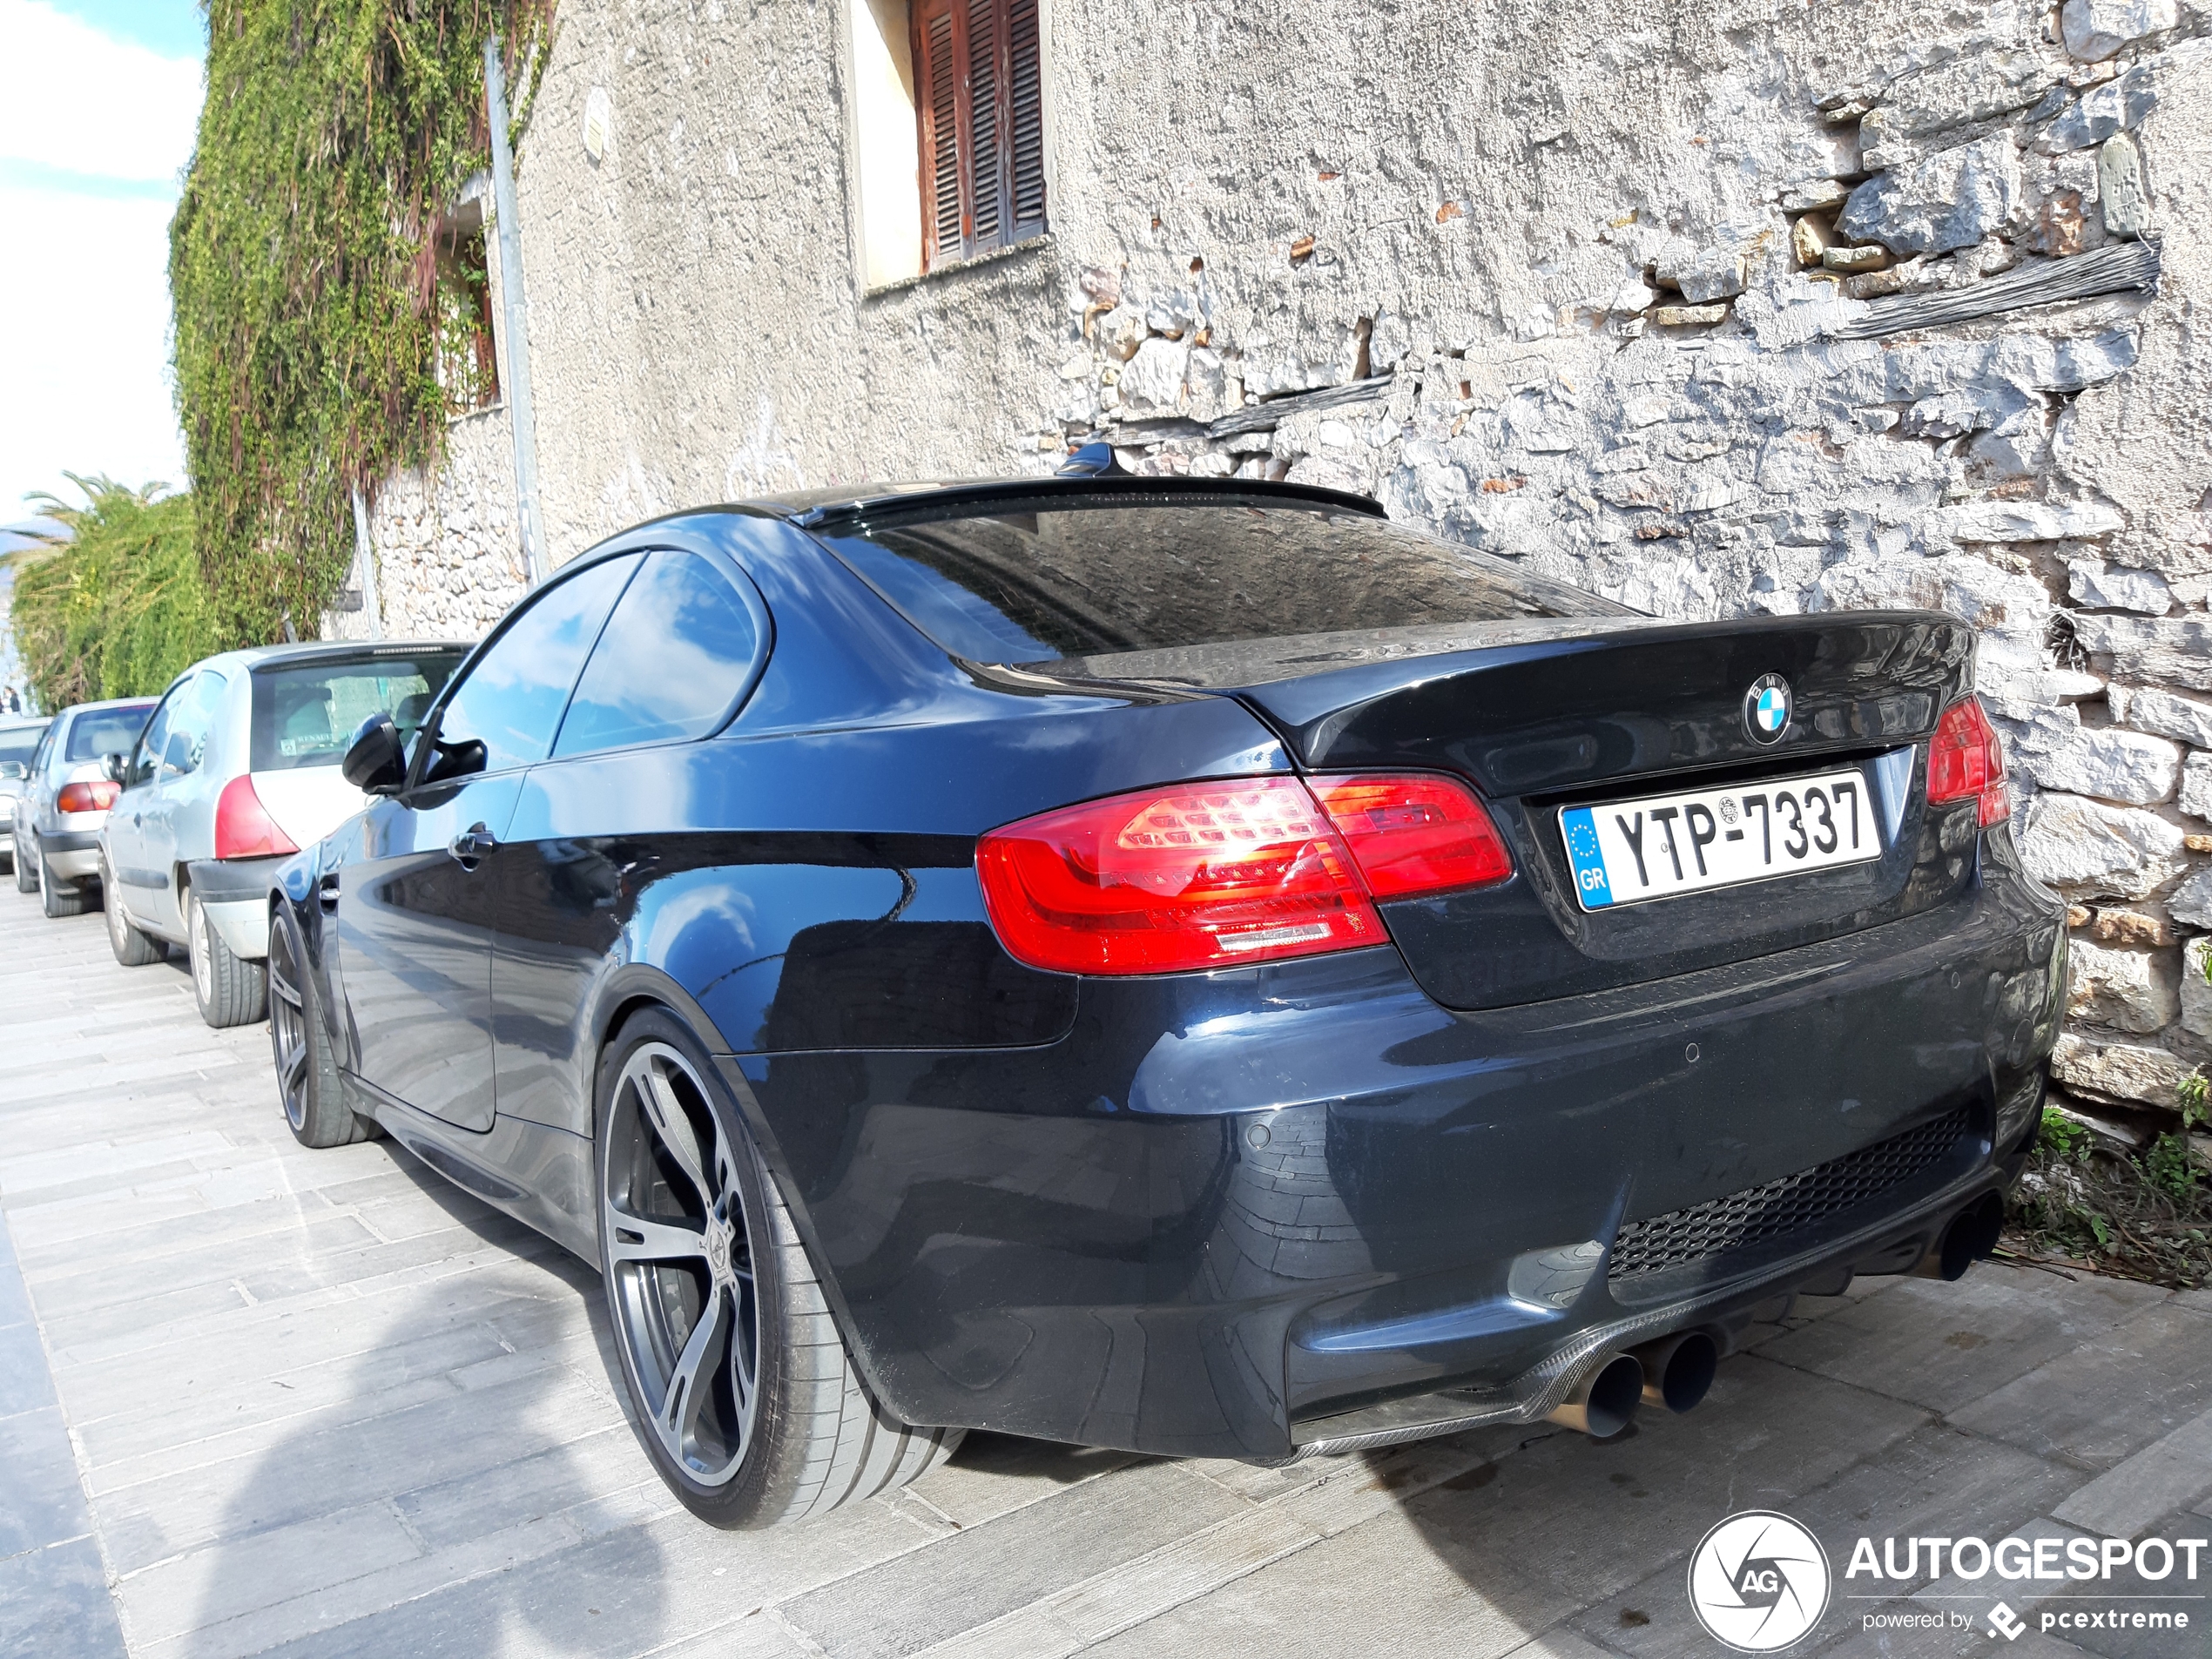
(1320, 1210)
(234, 895)
(73, 853)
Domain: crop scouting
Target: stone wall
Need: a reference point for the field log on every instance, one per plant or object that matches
(1720, 307)
(448, 553)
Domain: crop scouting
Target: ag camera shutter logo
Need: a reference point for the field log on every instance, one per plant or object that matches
(1758, 1582)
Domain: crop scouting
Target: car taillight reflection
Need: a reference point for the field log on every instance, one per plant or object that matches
(87, 797)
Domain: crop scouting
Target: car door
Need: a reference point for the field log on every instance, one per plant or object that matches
(177, 783)
(413, 907)
(681, 649)
(126, 819)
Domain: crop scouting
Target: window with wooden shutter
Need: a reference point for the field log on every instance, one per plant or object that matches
(980, 103)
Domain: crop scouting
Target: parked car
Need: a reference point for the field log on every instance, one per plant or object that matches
(236, 769)
(18, 742)
(1176, 965)
(56, 835)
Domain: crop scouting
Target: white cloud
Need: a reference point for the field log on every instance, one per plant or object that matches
(85, 383)
(87, 144)
(88, 103)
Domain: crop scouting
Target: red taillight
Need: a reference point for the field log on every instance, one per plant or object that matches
(243, 827)
(1966, 762)
(86, 798)
(1218, 875)
(1414, 834)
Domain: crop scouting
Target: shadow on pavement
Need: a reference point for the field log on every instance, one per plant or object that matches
(465, 1485)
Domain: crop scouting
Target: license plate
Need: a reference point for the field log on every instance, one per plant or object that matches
(1627, 852)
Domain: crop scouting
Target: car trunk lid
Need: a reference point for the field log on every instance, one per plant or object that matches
(1546, 714)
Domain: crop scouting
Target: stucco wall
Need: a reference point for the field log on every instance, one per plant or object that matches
(1567, 245)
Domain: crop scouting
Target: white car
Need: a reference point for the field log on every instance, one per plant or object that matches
(237, 768)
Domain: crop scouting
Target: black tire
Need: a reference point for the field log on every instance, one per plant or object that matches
(806, 1436)
(57, 898)
(132, 947)
(26, 872)
(309, 1087)
(230, 989)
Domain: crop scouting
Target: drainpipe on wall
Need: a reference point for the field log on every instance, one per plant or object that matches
(510, 289)
(365, 567)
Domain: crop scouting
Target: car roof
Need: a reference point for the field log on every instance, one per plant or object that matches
(145, 702)
(11, 722)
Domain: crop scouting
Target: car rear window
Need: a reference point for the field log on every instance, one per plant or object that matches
(18, 742)
(106, 731)
(306, 713)
(1063, 582)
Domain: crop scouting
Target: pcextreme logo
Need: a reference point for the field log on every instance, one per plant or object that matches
(1758, 1582)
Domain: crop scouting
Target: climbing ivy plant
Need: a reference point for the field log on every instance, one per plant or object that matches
(303, 264)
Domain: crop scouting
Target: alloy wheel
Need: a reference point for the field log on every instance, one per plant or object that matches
(288, 1026)
(680, 1264)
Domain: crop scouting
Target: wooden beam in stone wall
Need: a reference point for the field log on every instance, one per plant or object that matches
(1264, 418)
(2119, 267)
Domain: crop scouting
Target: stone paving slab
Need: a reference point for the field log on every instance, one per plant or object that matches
(256, 1399)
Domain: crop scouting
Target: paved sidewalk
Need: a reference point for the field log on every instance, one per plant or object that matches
(262, 1399)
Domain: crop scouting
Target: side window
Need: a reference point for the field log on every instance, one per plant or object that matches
(190, 731)
(675, 655)
(504, 713)
(45, 748)
(152, 743)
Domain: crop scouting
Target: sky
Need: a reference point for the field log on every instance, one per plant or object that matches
(102, 101)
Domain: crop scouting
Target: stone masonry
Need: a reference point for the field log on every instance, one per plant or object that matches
(1719, 308)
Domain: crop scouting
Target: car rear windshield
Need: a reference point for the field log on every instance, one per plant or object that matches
(17, 742)
(1060, 582)
(306, 713)
(106, 731)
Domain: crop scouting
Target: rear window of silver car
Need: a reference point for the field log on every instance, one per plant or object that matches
(306, 713)
(18, 742)
(1014, 586)
(106, 731)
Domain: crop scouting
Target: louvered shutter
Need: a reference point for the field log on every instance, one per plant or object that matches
(981, 113)
(1025, 122)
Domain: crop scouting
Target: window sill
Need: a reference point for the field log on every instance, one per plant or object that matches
(499, 408)
(1040, 243)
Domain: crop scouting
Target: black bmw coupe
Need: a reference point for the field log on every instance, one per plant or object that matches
(1178, 965)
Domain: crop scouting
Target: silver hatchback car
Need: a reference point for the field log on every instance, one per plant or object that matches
(238, 768)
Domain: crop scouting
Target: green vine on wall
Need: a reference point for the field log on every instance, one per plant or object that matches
(303, 266)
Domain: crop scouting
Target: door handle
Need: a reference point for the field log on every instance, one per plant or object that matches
(472, 846)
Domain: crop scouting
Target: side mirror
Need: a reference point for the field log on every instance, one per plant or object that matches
(111, 768)
(375, 761)
(13, 771)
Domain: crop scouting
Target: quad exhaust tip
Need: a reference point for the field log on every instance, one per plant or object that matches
(1972, 1235)
(1677, 1369)
(1604, 1402)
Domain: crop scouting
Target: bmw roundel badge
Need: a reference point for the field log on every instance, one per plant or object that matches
(1766, 708)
